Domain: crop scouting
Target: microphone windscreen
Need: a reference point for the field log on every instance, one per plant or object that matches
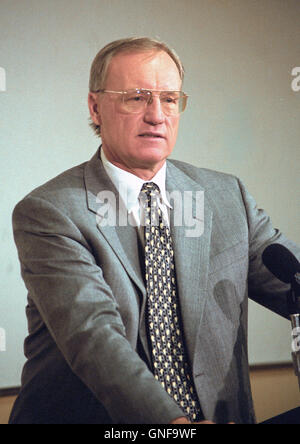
(281, 262)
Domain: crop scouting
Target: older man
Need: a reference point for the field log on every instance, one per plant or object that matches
(144, 321)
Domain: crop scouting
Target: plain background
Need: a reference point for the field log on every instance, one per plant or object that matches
(242, 117)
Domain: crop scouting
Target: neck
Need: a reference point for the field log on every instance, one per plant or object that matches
(144, 172)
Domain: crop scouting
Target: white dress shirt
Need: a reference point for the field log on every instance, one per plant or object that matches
(129, 187)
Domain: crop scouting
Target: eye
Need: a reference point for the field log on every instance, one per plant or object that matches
(136, 97)
(170, 98)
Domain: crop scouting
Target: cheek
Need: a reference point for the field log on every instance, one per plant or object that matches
(173, 127)
(114, 128)
(129, 126)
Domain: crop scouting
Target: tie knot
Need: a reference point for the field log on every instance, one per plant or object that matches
(150, 189)
(149, 194)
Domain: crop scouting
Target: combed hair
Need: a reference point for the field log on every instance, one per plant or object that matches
(133, 44)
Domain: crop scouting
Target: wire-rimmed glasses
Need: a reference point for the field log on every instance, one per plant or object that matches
(135, 100)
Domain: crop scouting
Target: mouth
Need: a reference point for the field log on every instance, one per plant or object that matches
(151, 135)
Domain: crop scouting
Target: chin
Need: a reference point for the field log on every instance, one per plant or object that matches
(151, 160)
(153, 153)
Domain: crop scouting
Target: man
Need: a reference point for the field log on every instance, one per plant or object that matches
(140, 322)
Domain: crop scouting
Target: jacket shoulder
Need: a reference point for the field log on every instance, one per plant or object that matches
(206, 177)
(61, 191)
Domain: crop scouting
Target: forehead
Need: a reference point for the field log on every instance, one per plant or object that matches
(153, 70)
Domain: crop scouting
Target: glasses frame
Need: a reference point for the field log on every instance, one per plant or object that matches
(151, 91)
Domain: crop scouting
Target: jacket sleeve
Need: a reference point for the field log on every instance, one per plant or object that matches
(82, 316)
(264, 288)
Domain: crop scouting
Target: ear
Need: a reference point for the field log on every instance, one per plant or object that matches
(94, 108)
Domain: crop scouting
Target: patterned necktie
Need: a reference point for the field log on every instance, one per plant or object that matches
(170, 362)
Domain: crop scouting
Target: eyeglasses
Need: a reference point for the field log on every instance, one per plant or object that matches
(136, 100)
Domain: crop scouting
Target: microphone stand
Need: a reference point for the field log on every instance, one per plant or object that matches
(293, 303)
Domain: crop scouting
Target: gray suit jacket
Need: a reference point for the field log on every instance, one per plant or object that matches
(88, 357)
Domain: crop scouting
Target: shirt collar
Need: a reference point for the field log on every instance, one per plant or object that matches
(130, 185)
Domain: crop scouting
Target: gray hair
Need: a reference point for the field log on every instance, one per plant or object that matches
(133, 44)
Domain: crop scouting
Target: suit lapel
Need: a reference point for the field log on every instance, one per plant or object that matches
(191, 250)
(122, 239)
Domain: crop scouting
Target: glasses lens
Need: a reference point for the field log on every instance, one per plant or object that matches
(136, 100)
(172, 102)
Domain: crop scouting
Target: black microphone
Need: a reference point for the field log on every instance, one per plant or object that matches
(285, 266)
(281, 262)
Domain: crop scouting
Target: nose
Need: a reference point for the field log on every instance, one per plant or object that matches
(154, 114)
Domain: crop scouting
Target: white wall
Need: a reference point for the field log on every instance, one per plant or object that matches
(243, 116)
